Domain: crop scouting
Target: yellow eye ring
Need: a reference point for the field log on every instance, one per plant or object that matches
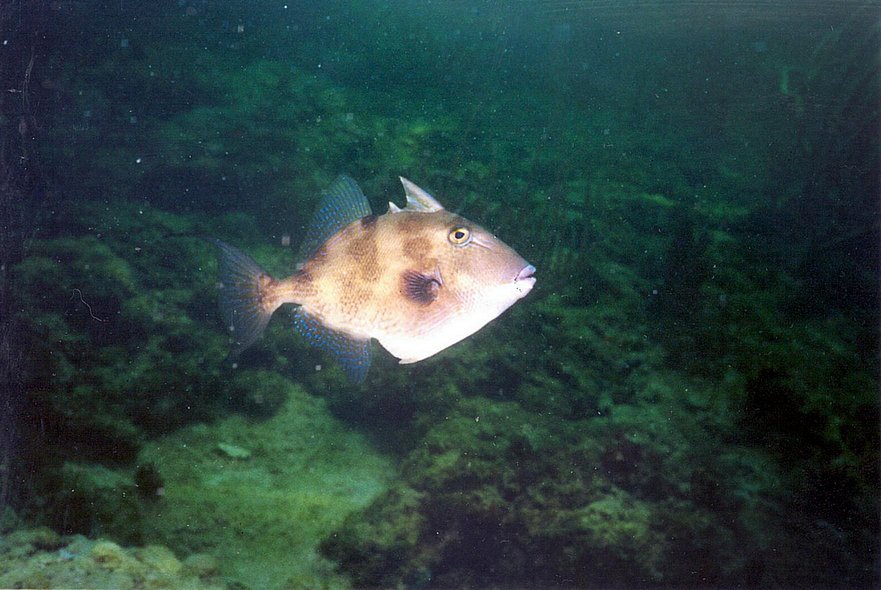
(460, 236)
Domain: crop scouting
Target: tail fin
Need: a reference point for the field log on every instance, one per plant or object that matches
(245, 296)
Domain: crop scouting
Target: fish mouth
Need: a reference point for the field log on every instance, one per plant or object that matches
(524, 281)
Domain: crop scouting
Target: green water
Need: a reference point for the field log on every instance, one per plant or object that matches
(687, 398)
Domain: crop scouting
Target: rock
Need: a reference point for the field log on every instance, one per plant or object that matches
(159, 560)
(78, 562)
(233, 452)
(110, 555)
(149, 481)
(95, 500)
(8, 519)
(45, 538)
(201, 565)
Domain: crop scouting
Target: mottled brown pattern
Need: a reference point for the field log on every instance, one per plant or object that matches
(358, 295)
(362, 250)
(399, 279)
(395, 277)
(266, 291)
(411, 223)
(416, 248)
(303, 281)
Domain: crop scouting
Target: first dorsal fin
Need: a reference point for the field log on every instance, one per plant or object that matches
(417, 199)
(342, 204)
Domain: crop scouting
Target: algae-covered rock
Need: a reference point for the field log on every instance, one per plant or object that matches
(29, 540)
(261, 518)
(159, 560)
(619, 531)
(201, 565)
(95, 500)
(77, 562)
(499, 495)
(149, 481)
(111, 556)
(9, 520)
(379, 546)
(233, 451)
(682, 402)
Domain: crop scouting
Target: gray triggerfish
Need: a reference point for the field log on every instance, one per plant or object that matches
(417, 279)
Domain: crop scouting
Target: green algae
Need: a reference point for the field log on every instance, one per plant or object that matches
(595, 464)
(266, 516)
(305, 472)
(40, 558)
(662, 393)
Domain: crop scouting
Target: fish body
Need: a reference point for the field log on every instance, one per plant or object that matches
(417, 280)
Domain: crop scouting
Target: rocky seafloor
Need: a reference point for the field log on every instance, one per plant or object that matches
(688, 398)
(41, 558)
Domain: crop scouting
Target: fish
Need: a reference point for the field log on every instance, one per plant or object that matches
(416, 279)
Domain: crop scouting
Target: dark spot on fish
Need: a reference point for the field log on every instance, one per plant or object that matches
(368, 221)
(412, 223)
(304, 278)
(416, 248)
(370, 269)
(418, 287)
(265, 286)
(362, 249)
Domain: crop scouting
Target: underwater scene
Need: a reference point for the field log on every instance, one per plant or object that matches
(439, 294)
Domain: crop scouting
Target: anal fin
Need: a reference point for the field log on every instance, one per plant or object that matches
(352, 353)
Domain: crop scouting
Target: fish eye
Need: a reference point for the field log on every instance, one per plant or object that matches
(460, 236)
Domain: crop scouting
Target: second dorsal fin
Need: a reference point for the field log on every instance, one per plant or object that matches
(342, 204)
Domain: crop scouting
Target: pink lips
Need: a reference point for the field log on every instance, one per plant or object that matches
(526, 273)
(525, 279)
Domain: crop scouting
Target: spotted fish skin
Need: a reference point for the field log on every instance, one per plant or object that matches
(417, 280)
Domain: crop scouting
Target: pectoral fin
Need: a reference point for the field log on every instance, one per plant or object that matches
(420, 287)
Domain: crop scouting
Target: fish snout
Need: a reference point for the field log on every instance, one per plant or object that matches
(524, 281)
